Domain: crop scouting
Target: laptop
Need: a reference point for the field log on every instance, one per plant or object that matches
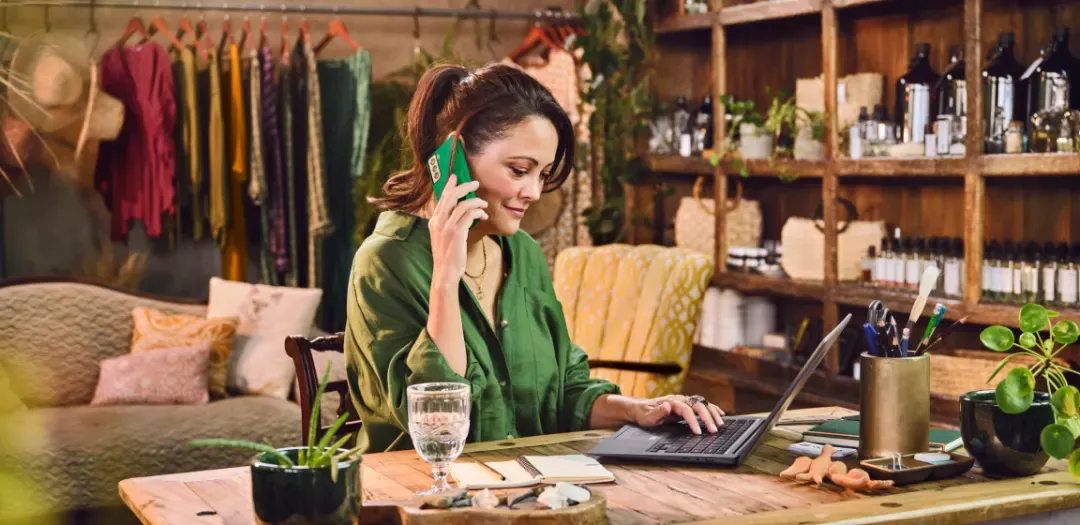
(730, 446)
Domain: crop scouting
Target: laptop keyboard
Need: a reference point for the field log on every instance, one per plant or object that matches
(705, 443)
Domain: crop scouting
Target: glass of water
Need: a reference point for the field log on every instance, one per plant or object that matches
(438, 426)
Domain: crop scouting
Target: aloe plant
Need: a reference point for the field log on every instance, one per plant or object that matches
(315, 454)
(1016, 392)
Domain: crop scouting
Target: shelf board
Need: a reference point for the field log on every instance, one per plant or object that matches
(778, 168)
(901, 300)
(750, 283)
(922, 166)
(1031, 164)
(840, 4)
(897, 300)
(756, 167)
(678, 164)
(768, 10)
(686, 23)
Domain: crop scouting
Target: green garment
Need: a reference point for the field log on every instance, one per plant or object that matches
(526, 377)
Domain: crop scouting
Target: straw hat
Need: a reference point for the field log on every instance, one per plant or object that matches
(62, 89)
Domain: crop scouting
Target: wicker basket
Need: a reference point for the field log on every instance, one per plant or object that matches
(956, 373)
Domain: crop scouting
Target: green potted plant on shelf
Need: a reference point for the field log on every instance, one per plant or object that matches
(1014, 429)
(315, 483)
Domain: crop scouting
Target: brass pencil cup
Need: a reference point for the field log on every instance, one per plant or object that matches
(894, 403)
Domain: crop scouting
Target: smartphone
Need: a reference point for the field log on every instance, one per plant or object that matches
(439, 166)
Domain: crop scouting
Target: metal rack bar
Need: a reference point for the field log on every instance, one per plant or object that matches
(547, 15)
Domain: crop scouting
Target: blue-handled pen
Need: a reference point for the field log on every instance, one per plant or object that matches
(871, 339)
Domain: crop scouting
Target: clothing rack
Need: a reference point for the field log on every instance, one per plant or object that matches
(546, 15)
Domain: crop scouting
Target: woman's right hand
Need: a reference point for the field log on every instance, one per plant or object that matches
(449, 227)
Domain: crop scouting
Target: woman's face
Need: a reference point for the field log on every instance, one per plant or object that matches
(511, 172)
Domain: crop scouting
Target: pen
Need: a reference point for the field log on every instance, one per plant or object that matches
(945, 333)
(935, 318)
(871, 339)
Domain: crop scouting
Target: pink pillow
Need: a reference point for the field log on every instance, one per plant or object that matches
(169, 376)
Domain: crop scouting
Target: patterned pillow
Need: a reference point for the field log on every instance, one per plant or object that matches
(171, 376)
(154, 330)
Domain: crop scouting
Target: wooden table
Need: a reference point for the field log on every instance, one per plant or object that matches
(643, 493)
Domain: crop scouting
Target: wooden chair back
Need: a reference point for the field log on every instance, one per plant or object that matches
(300, 350)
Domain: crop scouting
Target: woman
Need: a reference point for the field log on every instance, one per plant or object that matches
(435, 297)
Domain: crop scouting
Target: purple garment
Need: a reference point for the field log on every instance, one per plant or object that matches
(275, 169)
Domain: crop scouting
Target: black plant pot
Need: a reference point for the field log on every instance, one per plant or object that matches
(1004, 444)
(305, 496)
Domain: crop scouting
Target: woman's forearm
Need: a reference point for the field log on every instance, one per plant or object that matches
(611, 410)
(444, 324)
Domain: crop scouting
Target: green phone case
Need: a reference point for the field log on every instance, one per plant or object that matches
(439, 167)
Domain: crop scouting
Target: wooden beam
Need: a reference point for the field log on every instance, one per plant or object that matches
(1030, 164)
(686, 23)
(719, 69)
(829, 183)
(974, 183)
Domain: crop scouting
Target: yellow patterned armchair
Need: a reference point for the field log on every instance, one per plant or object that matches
(634, 310)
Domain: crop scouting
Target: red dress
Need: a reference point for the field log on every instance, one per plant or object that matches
(135, 173)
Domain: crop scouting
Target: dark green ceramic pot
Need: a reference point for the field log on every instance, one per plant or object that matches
(1004, 444)
(304, 496)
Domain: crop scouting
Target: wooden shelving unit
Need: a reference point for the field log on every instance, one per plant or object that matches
(770, 42)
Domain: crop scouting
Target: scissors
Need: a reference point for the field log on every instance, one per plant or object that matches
(877, 315)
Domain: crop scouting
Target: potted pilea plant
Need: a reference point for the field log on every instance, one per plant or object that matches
(1014, 429)
(786, 130)
(753, 141)
(315, 483)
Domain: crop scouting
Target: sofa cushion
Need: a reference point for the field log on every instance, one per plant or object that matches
(53, 335)
(170, 376)
(79, 454)
(156, 330)
(268, 314)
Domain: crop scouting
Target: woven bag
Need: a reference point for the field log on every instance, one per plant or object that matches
(695, 222)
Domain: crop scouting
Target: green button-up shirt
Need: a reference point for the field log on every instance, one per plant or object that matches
(525, 375)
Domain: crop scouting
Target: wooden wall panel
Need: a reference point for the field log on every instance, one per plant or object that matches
(880, 38)
(773, 54)
(1032, 21)
(684, 69)
(1036, 209)
(930, 209)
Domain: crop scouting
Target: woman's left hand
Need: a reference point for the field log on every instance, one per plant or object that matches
(657, 411)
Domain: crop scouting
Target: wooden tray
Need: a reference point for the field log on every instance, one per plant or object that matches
(591, 512)
(914, 470)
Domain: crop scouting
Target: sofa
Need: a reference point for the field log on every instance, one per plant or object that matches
(53, 335)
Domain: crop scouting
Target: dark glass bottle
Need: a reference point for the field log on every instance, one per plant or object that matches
(951, 95)
(1048, 77)
(1003, 99)
(913, 96)
(703, 126)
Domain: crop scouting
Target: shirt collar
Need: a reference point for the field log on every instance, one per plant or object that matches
(396, 224)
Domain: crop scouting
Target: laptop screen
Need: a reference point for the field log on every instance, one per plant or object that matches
(800, 380)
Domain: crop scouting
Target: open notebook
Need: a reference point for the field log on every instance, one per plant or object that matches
(529, 470)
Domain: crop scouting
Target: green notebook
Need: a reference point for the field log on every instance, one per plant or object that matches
(846, 434)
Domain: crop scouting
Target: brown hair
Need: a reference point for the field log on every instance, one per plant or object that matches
(481, 106)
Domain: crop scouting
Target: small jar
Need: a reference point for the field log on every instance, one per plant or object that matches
(1014, 138)
(736, 259)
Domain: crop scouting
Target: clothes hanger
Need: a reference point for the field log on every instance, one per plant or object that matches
(284, 36)
(337, 28)
(202, 33)
(262, 30)
(135, 27)
(226, 31)
(245, 31)
(535, 36)
(305, 31)
(159, 25)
